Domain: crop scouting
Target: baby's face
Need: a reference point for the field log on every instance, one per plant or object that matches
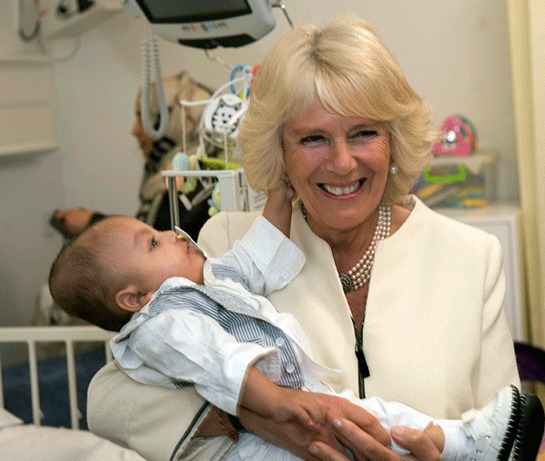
(150, 256)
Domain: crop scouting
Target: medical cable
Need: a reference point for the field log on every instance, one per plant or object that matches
(150, 47)
(27, 37)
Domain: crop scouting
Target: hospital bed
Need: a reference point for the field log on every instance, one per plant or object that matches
(43, 398)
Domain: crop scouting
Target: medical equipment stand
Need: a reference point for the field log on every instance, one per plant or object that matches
(232, 185)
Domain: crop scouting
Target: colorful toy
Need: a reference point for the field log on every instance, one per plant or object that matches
(458, 137)
(218, 133)
(183, 162)
(223, 114)
(214, 201)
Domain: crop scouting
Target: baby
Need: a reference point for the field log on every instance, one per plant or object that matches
(185, 319)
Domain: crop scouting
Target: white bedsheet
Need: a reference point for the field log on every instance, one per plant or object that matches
(27, 442)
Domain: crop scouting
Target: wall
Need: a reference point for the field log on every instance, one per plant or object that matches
(31, 186)
(454, 52)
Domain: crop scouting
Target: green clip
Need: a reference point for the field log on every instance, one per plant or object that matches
(460, 176)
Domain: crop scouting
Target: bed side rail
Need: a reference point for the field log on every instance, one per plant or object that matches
(58, 334)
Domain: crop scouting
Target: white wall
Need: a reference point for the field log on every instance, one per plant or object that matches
(30, 186)
(454, 52)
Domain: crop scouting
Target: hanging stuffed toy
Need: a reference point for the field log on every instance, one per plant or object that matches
(214, 201)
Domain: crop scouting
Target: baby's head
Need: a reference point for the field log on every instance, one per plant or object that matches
(113, 268)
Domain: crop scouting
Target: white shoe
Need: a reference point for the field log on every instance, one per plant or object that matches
(508, 428)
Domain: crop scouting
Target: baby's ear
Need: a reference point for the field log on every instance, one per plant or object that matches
(130, 299)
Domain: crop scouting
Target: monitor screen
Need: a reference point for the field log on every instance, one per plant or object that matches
(182, 11)
(207, 23)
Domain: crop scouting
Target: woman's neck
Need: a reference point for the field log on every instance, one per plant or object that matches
(348, 245)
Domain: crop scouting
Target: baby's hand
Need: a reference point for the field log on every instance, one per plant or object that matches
(278, 206)
(282, 191)
(303, 406)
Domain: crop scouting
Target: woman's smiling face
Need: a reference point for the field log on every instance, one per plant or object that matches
(338, 165)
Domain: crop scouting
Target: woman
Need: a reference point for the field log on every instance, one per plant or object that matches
(154, 206)
(426, 322)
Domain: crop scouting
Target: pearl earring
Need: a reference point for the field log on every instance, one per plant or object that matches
(393, 169)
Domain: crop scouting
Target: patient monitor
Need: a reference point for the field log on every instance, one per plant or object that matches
(208, 24)
(205, 24)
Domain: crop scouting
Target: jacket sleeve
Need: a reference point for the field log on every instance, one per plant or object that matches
(264, 260)
(497, 343)
(153, 421)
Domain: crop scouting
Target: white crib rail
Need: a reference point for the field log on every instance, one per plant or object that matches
(67, 335)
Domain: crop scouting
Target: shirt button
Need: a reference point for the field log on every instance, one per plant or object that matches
(280, 341)
(290, 368)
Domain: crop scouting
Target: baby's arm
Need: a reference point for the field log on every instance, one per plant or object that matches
(262, 269)
(278, 206)
(260, 395)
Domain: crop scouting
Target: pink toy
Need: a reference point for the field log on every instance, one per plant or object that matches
(457, 138)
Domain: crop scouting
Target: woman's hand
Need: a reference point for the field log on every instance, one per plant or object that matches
(292, 435)
(299, 439)
(366, 448)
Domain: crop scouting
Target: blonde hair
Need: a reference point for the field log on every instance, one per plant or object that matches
(348, 68)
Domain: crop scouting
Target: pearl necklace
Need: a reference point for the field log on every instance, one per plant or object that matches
(360, 274)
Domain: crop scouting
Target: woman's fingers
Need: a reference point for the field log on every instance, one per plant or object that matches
(365, 448)
(291, 435)
(343, 409)
(367, 422)
(418, 443)
(359, 442)
(324, 452)
(363, 445)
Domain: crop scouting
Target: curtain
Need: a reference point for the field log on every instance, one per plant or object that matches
(526, 19)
